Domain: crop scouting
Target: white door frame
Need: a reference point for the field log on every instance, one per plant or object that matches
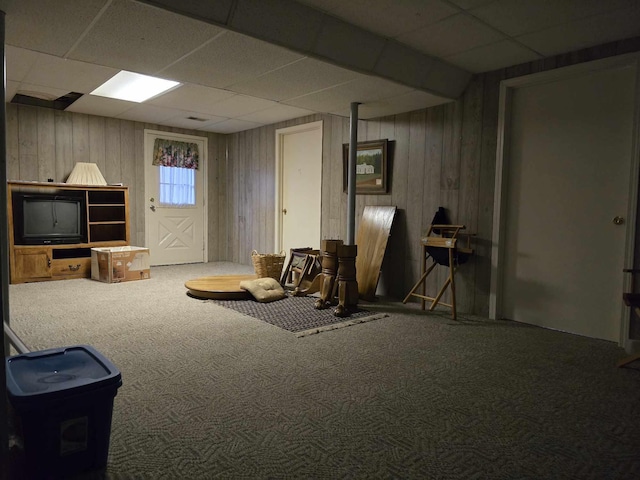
(280, 133)
(205, 184)
(500, 194)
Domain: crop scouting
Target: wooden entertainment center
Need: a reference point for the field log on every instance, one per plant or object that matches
(105, 224)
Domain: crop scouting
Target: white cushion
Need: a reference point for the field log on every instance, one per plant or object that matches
(264, 289)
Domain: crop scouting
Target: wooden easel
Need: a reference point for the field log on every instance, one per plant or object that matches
(442, 245)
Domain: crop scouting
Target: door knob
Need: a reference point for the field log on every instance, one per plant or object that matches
(153, 208)
(618, 220)
(284, 211)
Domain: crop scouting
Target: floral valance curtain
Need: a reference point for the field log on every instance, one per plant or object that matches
(170, 153)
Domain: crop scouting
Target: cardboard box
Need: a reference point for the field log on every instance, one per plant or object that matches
(120, 264)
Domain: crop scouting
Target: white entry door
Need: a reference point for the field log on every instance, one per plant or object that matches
(568, 177)
(175, 235)
(299, 160)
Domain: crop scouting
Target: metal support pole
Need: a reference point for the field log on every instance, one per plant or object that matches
(4, 262)
(14, 339)
(351, 184)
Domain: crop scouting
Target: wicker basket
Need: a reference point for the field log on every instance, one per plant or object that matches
(268, 264)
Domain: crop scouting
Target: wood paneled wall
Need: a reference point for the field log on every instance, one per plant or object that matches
(430, 167)
(442, 156)
(45, 144)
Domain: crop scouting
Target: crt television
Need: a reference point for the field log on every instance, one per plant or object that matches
(42, 219)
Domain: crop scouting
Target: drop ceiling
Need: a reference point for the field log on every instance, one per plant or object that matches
(248, 63)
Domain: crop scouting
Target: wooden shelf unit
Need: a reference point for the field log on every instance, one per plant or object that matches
(107, 225)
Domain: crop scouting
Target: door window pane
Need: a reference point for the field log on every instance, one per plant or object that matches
(177, 186)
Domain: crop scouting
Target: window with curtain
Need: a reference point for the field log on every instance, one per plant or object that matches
(177, 187)
(178, 162)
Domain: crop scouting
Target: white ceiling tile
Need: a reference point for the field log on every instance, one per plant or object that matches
(217, 11)
(468, 4)
(297, 79)
(192, 97)
(240, 105)
(363, 89)
(331, 98)
(407, 102)
(230, 58)
(140, 38)
(19, 62)
(278, 113)
(517, 17)
(95, 105)
(585, 33)
(198, 121)
(491, 57)
(324, 5)
(231, 126)
(47, 28)
(444, 38)
(75, 76)
(391, 18)
(148, 113)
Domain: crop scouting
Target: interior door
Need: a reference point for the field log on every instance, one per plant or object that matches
(300, 160)
(568, 170)
(174, 235)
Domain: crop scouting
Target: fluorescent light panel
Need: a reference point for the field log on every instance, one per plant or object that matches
(133, 87)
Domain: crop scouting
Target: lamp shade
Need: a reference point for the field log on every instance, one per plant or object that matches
(86, 174)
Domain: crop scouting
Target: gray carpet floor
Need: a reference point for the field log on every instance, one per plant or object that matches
(211, 393)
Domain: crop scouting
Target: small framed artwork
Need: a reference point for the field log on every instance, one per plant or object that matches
(371, 167)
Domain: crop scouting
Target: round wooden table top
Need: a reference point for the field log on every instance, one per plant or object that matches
(221, 287)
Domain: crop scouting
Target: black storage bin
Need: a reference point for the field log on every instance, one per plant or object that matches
(63, 398)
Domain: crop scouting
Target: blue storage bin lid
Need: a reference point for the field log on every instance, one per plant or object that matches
(58, 373)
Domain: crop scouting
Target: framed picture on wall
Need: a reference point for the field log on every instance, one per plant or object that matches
(371, 167)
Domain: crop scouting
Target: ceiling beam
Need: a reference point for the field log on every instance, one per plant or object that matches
(319, 35)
